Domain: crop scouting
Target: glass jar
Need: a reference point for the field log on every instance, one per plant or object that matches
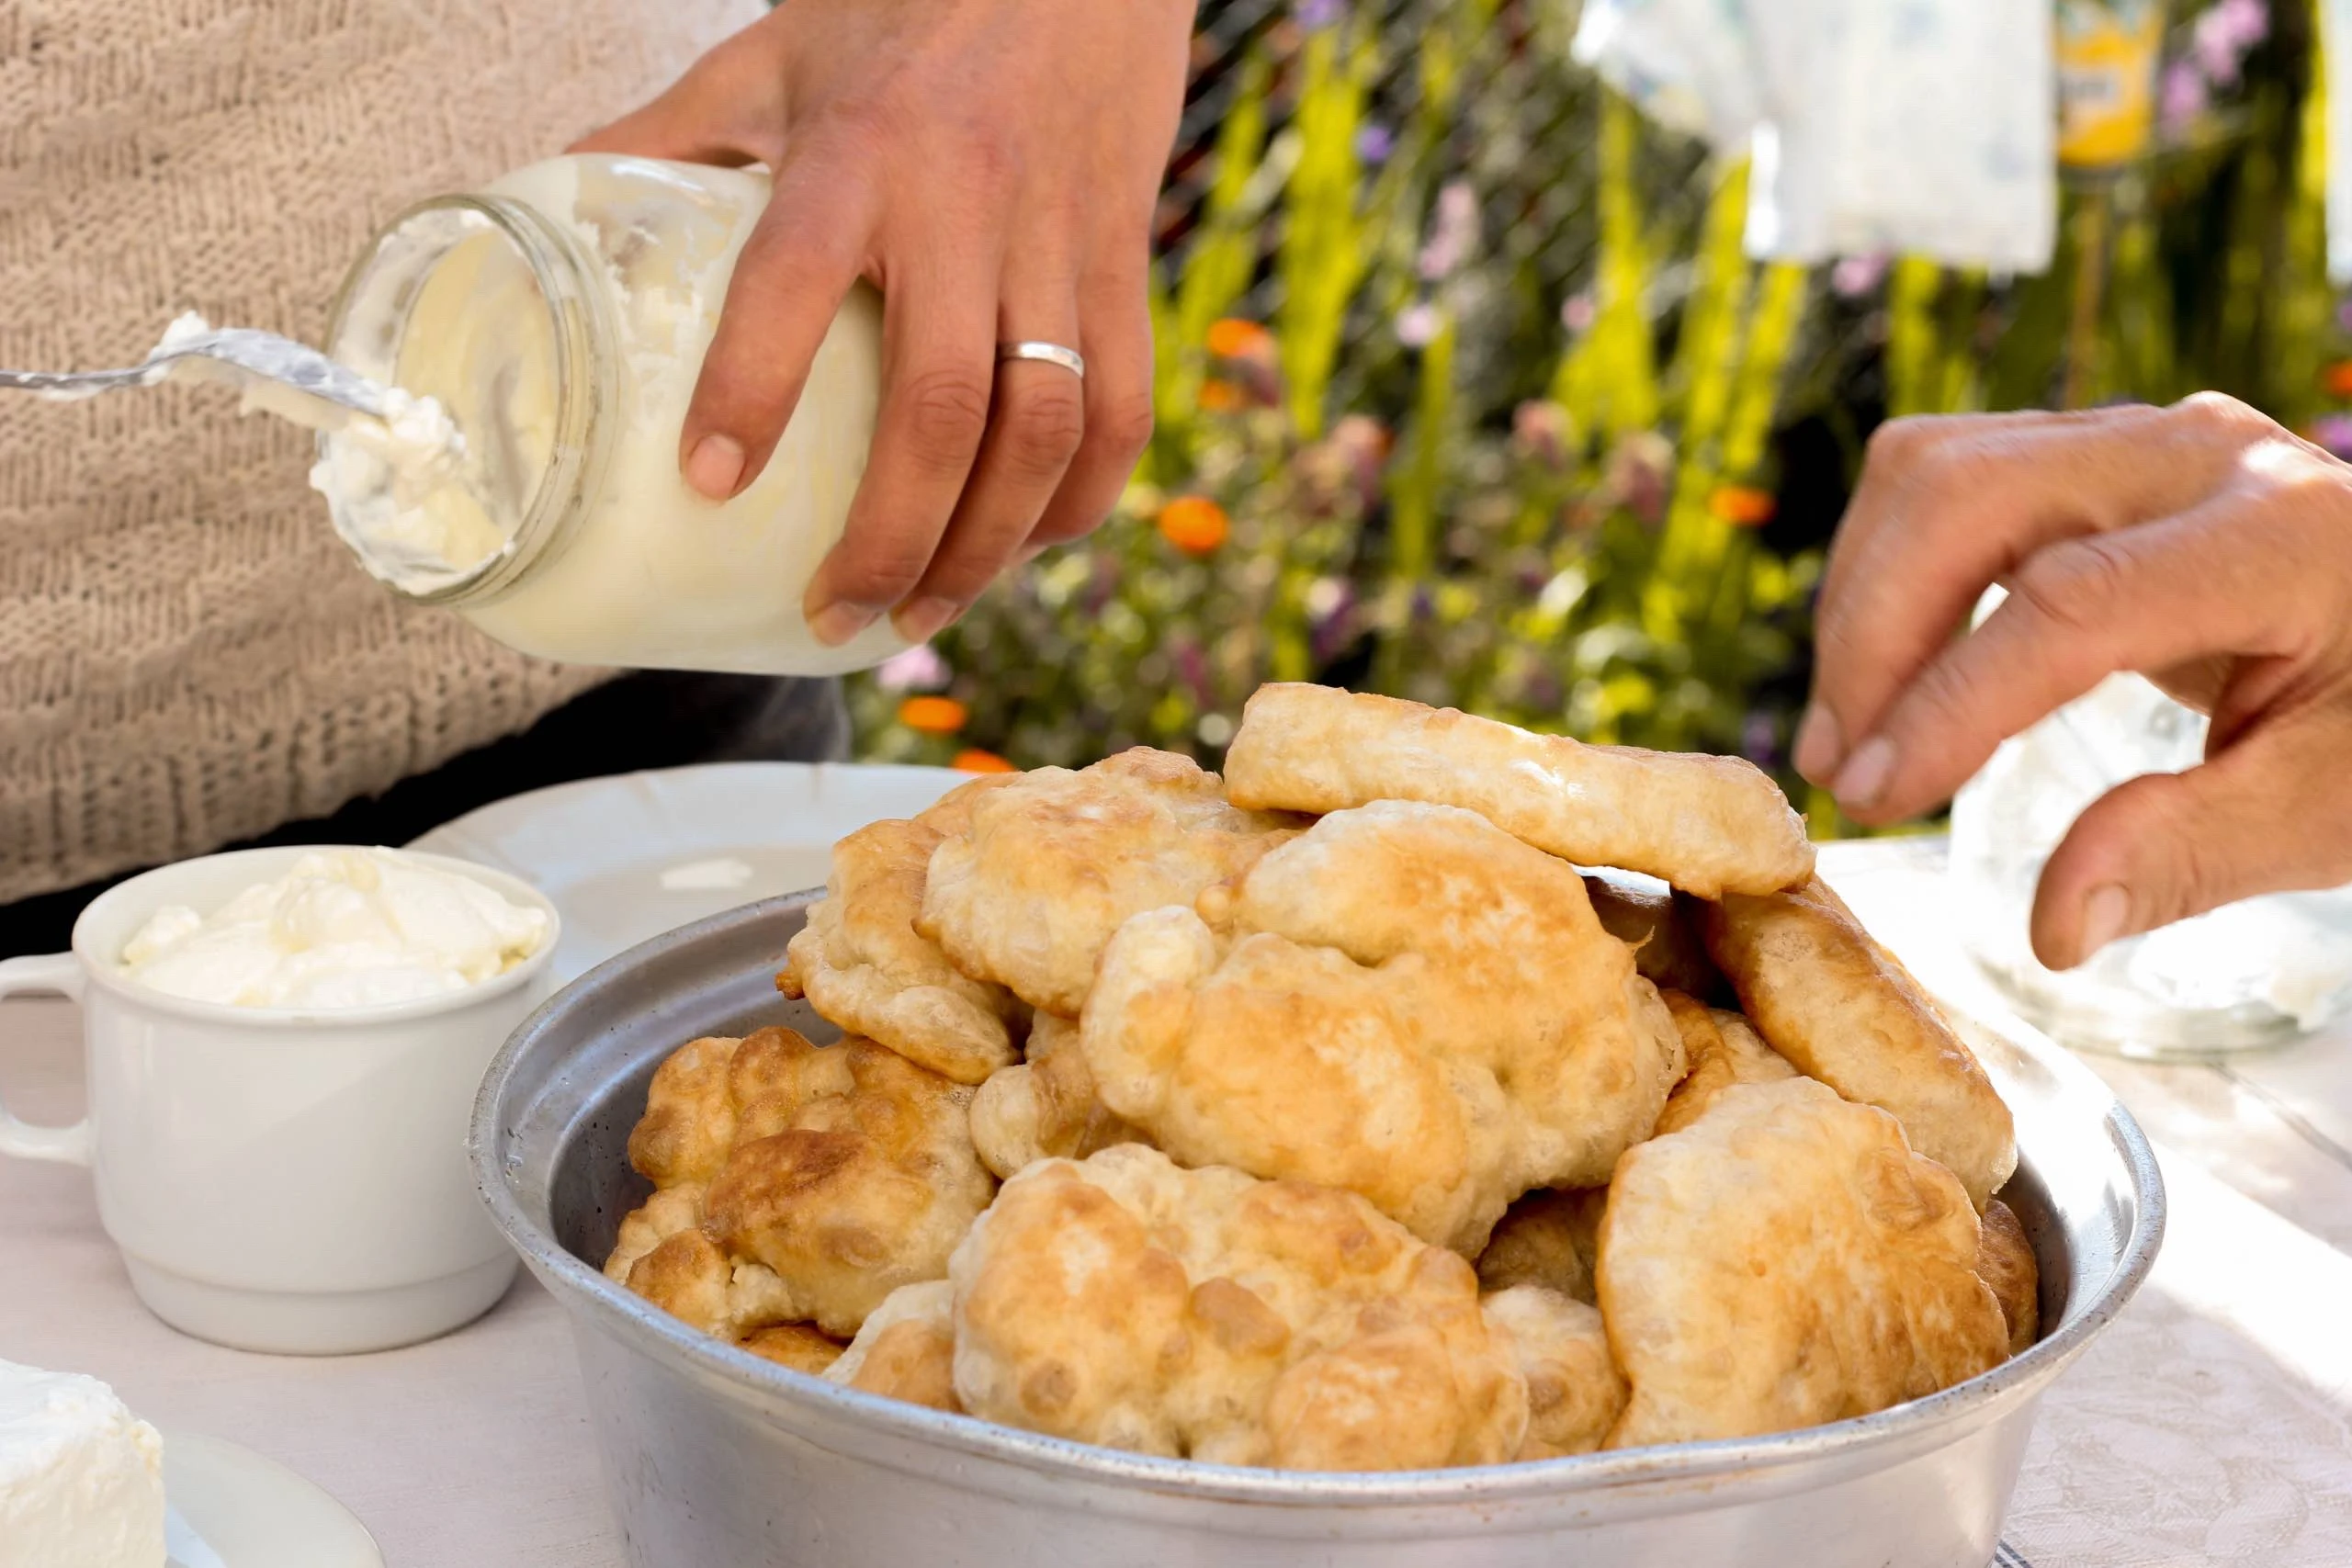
(2260, 972)
(560, 316)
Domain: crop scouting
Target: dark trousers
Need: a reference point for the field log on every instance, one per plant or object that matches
(651, 720)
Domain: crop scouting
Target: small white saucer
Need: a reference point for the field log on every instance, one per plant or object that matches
(631, 856)
(232, 1509)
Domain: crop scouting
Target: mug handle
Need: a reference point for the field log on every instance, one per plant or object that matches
(60, 973)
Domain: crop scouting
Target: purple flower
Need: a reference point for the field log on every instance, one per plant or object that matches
(1759, 740)
(1856, 275)
(1314, 15)
(2344, 315)
(916, 670)
(2182, 98)
(1194, 666)
(2221, 37)
(1375, 142)
(1453, 233)
(2334, 430)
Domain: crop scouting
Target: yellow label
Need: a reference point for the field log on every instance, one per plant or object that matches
(2107, 80)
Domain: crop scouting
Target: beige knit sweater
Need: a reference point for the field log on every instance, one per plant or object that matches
(187, 655)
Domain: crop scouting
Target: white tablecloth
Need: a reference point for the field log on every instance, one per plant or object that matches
(2212, 1423)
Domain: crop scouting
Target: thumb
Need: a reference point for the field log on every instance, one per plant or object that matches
(2267, 814)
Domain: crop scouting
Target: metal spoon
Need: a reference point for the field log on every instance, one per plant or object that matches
(256, 361)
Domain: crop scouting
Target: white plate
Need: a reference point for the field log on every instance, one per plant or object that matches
(244, 1511)
(631, 856)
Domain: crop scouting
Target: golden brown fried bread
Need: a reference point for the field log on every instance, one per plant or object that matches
(1704, 824)
(2004, 1262)
(1406, 1003)
(794, 1344)
(907, 1349)
(1841, 1009)
(1046, 1107)
(1206, 1315)
(1549, 1239)
(1649, 920)
(864, 966)
(1054, 861)
(1784, 1261)
(796, 1184)
(1574, 1392)
(1723, 1050)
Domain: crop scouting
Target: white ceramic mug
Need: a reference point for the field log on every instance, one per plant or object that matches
(279, 1179)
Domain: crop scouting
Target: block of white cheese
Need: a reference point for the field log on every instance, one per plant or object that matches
(80, 1477)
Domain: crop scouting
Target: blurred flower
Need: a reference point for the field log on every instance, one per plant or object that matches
(1577, 313)
(1214, 729)
(1313, 14)
(1232, 337)
(1759, 740)
(917, 670)
(1541, 433)
(1639, 472)
(2334, 430)
(1221, 396)
(975, 761)
(2221, 37)
(2337, 378)
(1326, 597)
(1194, 666)
(1854, 277)
(1346, 463)
(1454, 234)
(2183, 98)
(1194, 525)
(932, 716)
(1417, 324)
(1375, 142)
(1742, 506)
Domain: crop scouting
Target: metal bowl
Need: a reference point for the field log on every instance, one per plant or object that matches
(716, 1459)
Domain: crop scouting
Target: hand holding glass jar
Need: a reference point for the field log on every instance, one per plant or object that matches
(991, 166)
(2202, 546)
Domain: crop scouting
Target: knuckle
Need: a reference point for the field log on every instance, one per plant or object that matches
(1041, 428)
(2219, 413)
(1125, 425)
(2076, 586)
(882, 572)
(1899, 442)
(947, 410)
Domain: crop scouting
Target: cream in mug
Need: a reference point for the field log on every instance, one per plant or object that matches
(345, 928)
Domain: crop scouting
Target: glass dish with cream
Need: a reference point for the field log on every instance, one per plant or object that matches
(560, 317)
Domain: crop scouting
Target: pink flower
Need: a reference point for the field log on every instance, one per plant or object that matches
(1577, 313)
(917, 670)
(1454, 234)
(2221, 37)
(2182, 98)
(1417, 324)
(1856, 275)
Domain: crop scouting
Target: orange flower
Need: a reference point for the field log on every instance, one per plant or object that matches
(1193, 524)
(975, 761)
(932, 715)
(1742, 506)
(1220, 397)
(2337, 378)
(1233, 338)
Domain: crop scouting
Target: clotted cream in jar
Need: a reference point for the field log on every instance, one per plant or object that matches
(560, 316)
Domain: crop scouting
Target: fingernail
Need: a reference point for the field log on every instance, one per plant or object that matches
(924, 619)
(714, 466)
(2107, 914)
(1864, 777)
(1820, 744)
(837, 622)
